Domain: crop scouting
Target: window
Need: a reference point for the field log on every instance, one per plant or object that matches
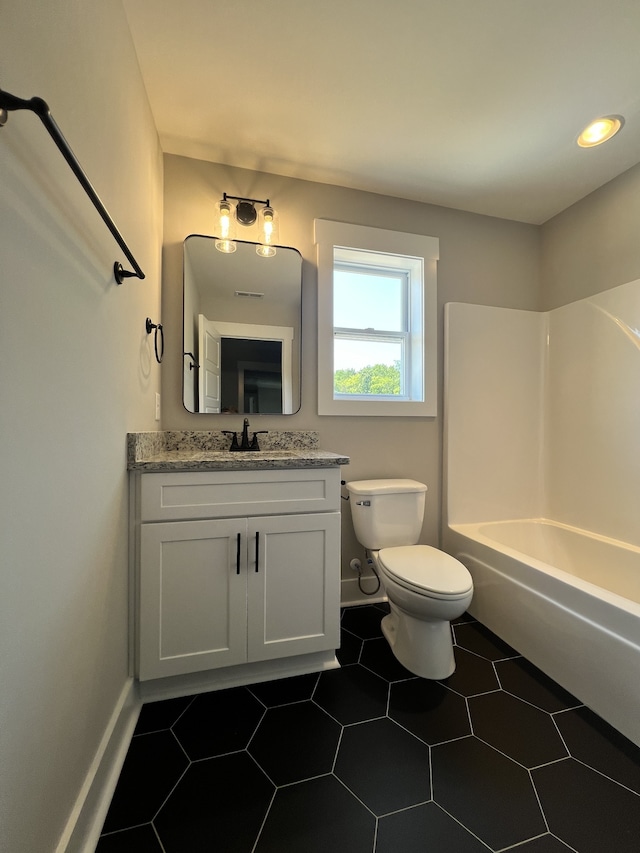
(376, 321)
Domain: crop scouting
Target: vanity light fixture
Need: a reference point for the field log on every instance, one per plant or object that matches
(245, 214)
(599, 131)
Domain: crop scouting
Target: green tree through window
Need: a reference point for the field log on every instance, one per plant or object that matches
(372, 379)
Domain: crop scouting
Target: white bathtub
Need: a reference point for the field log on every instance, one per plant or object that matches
(568, 600)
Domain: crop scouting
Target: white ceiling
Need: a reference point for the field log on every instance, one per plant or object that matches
(472, 104)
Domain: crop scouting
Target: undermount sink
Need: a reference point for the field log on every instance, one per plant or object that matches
(258, 454)
(276, 454)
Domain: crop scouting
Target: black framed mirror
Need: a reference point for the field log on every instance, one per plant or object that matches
(242, 322)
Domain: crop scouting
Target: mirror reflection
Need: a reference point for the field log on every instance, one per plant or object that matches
(242, 318)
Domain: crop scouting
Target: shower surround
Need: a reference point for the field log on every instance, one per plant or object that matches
(542, 486)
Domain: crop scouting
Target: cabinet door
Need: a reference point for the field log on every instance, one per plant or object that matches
(193, 586)
(294, 586)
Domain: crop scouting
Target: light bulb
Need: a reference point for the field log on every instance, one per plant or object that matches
(268, 233)
(599, 131)
(226, 228)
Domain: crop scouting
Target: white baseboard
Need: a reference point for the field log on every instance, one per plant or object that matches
(351, 594)
(87, 817)
(234, 676)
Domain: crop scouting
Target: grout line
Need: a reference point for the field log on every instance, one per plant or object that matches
(254, 732)
(539, 801)
(466, 828)
(605, 776)
(182, 775)
(264, 820)
(155, 832)
(338, 745)
(521, 844)
(466, 703)
(532, 704)
(354, 795)
(179, 742)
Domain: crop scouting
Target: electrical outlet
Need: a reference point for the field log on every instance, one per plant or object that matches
(157, 406)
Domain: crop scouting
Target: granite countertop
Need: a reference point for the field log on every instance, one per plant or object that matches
(165, 451)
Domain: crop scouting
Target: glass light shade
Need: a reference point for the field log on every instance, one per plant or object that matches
(599, 131)
(268, 224)
(226, 227)
(226, 246)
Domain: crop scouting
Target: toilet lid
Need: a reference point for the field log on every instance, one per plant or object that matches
(427, 570)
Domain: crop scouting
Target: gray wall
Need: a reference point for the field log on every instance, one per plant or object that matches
(593, 245)
(76, 374)
(482, 259)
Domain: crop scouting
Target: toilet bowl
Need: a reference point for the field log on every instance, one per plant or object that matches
(426, 588)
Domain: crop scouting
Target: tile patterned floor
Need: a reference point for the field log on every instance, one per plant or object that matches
(370, 759)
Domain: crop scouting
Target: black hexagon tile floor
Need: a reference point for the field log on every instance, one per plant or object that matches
(369, 758)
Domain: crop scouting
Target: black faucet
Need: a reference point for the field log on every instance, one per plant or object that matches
(245, 444)
(234, 440)
(245, 436)
(254, 442)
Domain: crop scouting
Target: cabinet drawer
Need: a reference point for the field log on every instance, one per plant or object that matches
(224, 494)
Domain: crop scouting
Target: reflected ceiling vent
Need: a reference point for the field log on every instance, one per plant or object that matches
(249, 294)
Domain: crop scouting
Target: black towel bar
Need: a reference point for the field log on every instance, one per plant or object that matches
(40, 108)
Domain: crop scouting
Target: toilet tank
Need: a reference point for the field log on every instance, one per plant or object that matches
(387, 513)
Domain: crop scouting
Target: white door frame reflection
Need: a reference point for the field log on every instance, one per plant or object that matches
(228, 384)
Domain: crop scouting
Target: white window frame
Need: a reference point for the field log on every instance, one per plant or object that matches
(421, 397)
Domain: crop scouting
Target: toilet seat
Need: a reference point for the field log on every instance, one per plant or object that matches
(426, 571)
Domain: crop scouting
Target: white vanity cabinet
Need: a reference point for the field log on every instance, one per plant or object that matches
(236, 567)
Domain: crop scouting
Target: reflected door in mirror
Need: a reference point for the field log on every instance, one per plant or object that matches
(242, 320)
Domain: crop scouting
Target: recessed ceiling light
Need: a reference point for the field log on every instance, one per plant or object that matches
(599, 131)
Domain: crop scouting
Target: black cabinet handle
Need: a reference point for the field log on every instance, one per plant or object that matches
(257, 549)
(238, 556)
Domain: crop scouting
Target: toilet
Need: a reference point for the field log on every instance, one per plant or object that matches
(426, 588)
